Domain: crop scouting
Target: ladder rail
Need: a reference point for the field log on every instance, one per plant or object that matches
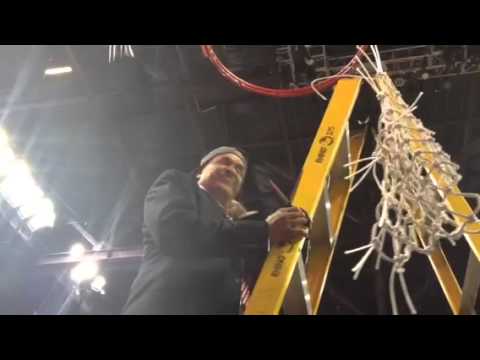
(461, 300)
(311, 195)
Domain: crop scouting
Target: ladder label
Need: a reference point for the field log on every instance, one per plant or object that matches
(278, 265)
(325, 142)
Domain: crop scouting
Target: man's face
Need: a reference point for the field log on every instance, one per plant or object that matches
(224, 173)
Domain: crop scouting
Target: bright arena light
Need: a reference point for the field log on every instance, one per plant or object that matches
(27, 196)
(6, 154)
(3, 138)
(19, 189)
(98, 284)
(32, 207)
(77, 250)
(45, 216)
(86, 270)
(7, 158)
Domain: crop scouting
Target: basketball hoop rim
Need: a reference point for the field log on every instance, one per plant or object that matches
(209, 53)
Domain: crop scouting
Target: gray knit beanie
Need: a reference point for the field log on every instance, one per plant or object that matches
(222, 150)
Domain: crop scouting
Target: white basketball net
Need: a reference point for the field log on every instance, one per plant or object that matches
(118, 51)
(411, 204)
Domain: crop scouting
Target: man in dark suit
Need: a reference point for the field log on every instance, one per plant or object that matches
(193, 248)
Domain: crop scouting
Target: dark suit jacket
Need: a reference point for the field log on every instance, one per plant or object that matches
(193, 253)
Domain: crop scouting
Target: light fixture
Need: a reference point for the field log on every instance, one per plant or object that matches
(33, 205)
(6, 153)
(58, 70)
(6, 160)
(98, 284)
(77, 250)
(3, 138)
(45, 216)
(16, 181)
(20, 192)
(84, 271)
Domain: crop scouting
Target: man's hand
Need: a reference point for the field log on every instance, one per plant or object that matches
(287, 225)
(236, 210)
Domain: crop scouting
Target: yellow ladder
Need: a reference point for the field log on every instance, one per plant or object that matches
(323, 192)
(462, 301)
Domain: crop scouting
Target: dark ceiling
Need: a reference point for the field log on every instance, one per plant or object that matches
(98, 137)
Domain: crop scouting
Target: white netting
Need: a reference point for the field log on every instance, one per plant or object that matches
(411, 204)
(119, 51)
